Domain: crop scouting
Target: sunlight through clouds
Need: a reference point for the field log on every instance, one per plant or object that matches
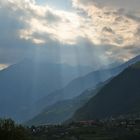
(3, 66)
(112, 26)
(106, 26)
(101, 25)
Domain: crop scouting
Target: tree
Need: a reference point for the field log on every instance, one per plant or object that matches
(10, 131)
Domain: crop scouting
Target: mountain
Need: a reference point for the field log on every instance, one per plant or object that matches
(22, 84)
(79, 85)
(121, 96)
(28, 87)
(63, 110)
(60, 105)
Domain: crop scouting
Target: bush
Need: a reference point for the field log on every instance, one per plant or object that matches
(10, 131)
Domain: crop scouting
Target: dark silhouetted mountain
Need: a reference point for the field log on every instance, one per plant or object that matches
(79, 85)
(24, 83)
(59, 105)
(63, 110)
(121, 96)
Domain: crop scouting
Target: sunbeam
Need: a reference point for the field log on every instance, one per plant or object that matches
(69, 69)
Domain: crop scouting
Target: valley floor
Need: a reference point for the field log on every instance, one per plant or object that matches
(114, 130)
(84, 130)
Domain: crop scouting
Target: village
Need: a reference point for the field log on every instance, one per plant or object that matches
(112, 129)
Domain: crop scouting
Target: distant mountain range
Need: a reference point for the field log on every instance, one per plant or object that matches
(59, 108)
(22, 84)
(121, 96)
(63, 110)
(79, 85)
(28, 87)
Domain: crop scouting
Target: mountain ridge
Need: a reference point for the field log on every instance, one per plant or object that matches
(63, 110)
(79, 85)
(120, 96)
(24, 83)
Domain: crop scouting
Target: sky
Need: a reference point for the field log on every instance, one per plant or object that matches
(76, 32)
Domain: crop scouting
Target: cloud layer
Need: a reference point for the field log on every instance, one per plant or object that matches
(127, 4)
(109, 28)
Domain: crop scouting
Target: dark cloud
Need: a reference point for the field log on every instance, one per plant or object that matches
(138, 32)
(83, 52)
(118, 19)
(127, 4)
(12, 49)
(52, 18)
(133, 17)
(108, 29)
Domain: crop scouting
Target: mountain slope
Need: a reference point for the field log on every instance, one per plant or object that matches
(63, 110)
(120, 96)
(79, 85)
(24, 83)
